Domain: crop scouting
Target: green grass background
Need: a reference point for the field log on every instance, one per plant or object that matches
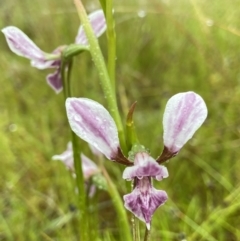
(163, 47)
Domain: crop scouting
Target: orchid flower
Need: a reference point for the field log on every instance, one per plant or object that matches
(22, 45)
(184, 114)
(88, 166)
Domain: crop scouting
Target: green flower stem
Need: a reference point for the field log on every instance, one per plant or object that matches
(84, 233)
(102, 70)
(73, 50)
(111, 35)
(135, 221)
(68, 83)
(76, 155)
(121, 212)
(135, 228)
(147, 235)
(62, 68)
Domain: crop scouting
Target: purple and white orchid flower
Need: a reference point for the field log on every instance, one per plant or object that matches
(22, 45)
(184, 114)
(144, 199)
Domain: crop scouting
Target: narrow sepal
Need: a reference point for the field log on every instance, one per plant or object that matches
(22, 45)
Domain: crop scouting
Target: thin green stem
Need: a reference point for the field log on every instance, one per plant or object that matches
(135, 228)
(121, 212)
(102, 70)
(68, 83)
(147, 235)
(135, 221)
(76, 154)
(62, 69)
(111, 35)
(81, 189)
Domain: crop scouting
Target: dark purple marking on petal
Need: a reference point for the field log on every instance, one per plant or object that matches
(145, 166)
(166, 155)
(144, 200)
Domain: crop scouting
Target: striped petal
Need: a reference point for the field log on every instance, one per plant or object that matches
(184, 114)
(93, 123)
(22, 45)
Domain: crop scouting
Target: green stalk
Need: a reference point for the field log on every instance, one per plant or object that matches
(135, 228)
(76, 155)
(102, 71)
(111, 35)
(121, 212)
(135, 221)
(147, 235)
(81, 189)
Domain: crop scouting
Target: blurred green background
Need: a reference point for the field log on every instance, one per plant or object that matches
(163, 47)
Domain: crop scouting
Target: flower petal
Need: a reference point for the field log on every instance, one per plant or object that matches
(145, 166)
(66, 157)
(93, 123)
(184, 114)
(88, 166)
(47, 64)
(22, 45)
(98, 22)
(54, 80)
(95, 151)
(144, 200)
